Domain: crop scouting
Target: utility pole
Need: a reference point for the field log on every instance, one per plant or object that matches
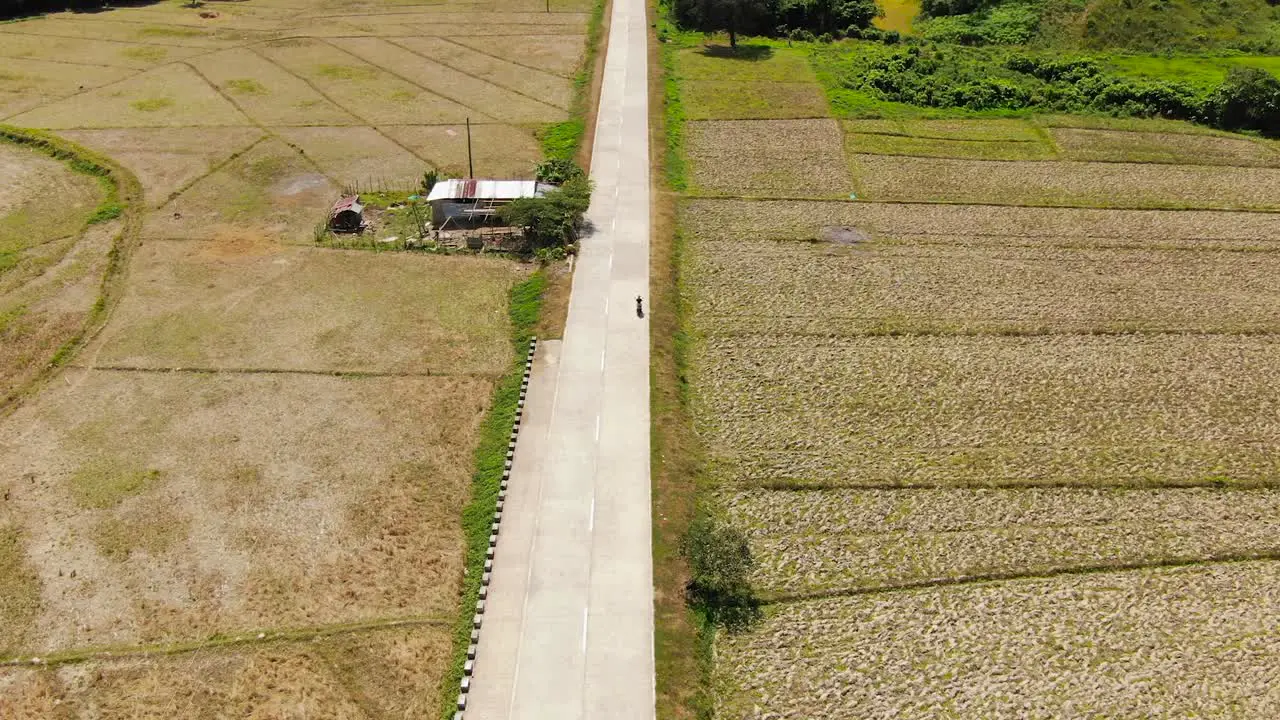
(471, 169)
(548, 5)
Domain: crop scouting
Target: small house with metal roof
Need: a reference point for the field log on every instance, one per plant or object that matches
(469, 202)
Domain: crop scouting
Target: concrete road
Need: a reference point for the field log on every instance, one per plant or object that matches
(568, 628)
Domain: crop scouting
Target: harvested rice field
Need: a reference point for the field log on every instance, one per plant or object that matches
(390, 672)
(1073, 184)
(768, 158)
(997, 422)
(1176, 643)
(746, 221)
(890, 144)
(954, 410)
(1173, 148)
(241, 495)
(828, 289)
(811, 543)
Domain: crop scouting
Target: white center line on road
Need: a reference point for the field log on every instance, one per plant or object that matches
(610, 261)
(591, 522)
(597, 428)
(606, 306)
(601, 361)
(584, 631)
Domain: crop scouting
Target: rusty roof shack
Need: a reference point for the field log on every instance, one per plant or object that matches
(347, 215)
(470, 202)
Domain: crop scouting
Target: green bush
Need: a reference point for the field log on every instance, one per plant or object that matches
(553, 219)
(720, 565)
(559, 171)
(1248, 99)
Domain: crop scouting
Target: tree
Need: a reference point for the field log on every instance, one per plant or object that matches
(553, 219)
(720, 565)
(1248, 99)
(559, 171)
(731, 16)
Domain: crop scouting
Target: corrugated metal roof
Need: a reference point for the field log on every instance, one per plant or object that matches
(472, 189)
(349, 202)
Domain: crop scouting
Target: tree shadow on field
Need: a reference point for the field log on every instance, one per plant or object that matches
(754, 53)
(17, 9)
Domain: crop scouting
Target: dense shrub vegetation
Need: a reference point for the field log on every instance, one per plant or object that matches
(982, 79)
(803, 19)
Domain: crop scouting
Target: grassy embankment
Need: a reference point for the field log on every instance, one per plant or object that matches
(683, 636)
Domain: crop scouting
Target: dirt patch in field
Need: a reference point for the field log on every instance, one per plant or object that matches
(843, 235)
(291, 501)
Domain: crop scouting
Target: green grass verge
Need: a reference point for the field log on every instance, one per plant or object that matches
(490, 459)
(563, 140)
(674, 162)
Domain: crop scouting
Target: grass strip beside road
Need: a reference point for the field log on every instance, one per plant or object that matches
(477, 517)
(564, 140)
(682, 640)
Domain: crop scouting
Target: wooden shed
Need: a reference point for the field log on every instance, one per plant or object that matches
(347, 215)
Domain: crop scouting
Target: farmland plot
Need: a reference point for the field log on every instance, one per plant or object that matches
(836, 541)
(778, 287)
(768, 158)
(243, 497)
(51, 260)
(1202, 640)
(953, 410)
(1132, 185)
(1115, 145)
(209, 304)
(774, 83)
(1001, 435)
(737, 221)
(168, 160)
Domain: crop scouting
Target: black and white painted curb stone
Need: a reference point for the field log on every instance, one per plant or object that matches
(477, 620)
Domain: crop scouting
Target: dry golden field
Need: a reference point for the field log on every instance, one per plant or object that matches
(51, 260)
(1152, 643)
(242, 496)
(1002, 433)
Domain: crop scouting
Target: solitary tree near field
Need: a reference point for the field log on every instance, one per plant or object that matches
(731, 16)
